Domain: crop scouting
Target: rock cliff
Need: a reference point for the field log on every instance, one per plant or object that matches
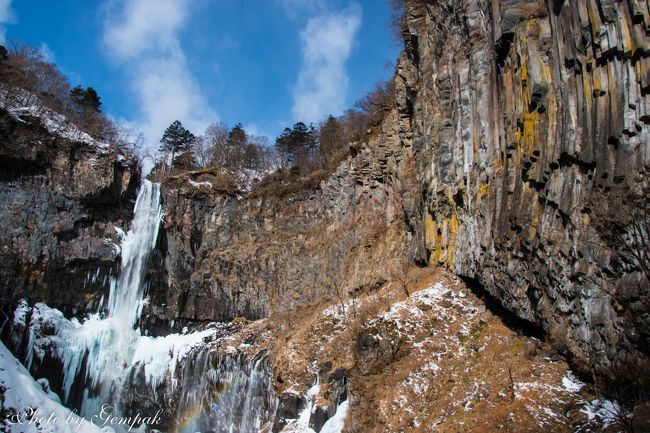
(516, 155)
(516, 152)
(65, 200)
(223, 255)
(530, 128)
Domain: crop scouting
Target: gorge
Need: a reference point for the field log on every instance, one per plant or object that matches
(478, 249)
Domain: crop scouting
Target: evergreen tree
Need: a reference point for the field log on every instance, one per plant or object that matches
(331, 139)
(86, 98)
(176, 141)
(285, 148)
(236, 146)
(297, 146)
(91, 100)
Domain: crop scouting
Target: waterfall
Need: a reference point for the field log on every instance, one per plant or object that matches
(106, 360)
(125, 298)
(104, 345)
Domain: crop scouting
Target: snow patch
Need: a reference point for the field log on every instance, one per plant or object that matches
(200, 184)
(572, 383)
(22, 396)
(603, 412)
(23, 103)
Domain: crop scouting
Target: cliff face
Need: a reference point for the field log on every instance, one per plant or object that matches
(222, 256)
(530, 125)
(63, 197)
(518, 135)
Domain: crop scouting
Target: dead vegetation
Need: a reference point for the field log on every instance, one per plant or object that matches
(435, 360)
(208, 177)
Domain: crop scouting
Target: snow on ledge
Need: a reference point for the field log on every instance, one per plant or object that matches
(24, 103)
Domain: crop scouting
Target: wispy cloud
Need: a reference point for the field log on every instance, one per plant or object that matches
(46, 52)
(143, 36)
(6, 17)
(327, 42)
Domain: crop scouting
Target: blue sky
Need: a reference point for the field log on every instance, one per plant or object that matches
(264, 63)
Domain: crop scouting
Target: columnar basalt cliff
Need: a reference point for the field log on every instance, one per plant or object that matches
(516, 156)
(519, 133)
(63, 198)
(530, 124)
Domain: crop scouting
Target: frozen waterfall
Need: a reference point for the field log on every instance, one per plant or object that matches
(106, 359)
(104, 345)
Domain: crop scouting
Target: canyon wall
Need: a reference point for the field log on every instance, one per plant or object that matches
(224, 255)
(517, 147)
(517, 151)
(530, 133)
(63, 196)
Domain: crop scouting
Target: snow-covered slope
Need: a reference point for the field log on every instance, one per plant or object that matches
(20, 102)
(28, 409)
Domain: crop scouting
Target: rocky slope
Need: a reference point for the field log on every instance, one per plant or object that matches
(65, 198)
(436, 360)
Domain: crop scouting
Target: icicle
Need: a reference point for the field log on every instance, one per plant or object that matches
(312, 393)
(335, 424)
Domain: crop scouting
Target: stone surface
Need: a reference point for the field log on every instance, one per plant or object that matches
(62, 202)
(223, 255)
(528, 117)
(516, 126)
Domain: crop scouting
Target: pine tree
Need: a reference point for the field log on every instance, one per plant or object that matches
(298, 146)
(91, 99)
(236, 146)
(86, 98)
(176, 141)
(331, 139)
(285, 148)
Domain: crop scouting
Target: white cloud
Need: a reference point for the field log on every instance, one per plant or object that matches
(253, 129)
(327, 42)
(46, 52)
(6, 17)
(145, 27)
(143, 36)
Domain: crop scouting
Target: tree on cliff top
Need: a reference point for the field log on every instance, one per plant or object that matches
(175, 142)
(297, 146)
(86, 98)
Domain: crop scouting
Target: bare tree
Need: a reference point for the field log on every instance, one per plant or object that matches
(215, 138)
(399, 273)
(378, 102)
(202, 151)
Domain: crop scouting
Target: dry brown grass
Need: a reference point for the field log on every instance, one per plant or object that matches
(284, 183)
(452, 367)
(220, 182)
